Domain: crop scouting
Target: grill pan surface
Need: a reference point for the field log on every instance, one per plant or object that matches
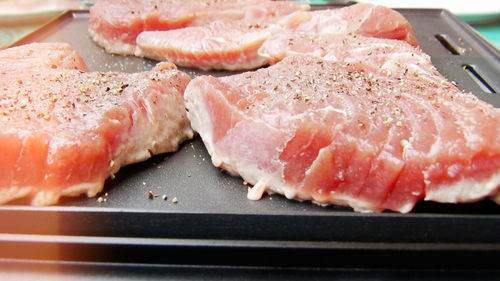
(212, 216)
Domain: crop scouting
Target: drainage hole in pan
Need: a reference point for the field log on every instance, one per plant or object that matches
(478, 78)
(449, 44)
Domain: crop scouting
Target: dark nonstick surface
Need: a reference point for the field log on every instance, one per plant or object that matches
(212, 214)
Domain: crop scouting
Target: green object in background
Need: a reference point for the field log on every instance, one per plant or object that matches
(13, 33)
(490, 31)
(14, 27)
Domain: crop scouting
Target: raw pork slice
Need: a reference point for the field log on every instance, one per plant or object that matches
(40, 57)
(218, 45)
(64, 131)
(243, 45)
(350, 134)
(301, 29)
(115, 24)
(222, 44)
(379, 53)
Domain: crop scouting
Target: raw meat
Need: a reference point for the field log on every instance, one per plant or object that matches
(222, 44)
(301, 29)
(348, 133)
(40, 57)
(64, 131)
(218, 45)
(236, 45)
(115, 24)
(379, 53)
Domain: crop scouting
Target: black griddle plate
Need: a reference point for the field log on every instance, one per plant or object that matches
(213, 224)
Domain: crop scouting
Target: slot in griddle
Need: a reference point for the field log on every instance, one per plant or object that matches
(213, 216)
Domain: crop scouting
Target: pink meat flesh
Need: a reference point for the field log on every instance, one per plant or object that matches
(351, 133)
(301, 30)
(115, 24)
(64, 131)
(253, 42)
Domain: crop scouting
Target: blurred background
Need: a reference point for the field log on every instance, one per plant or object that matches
(21, 17)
